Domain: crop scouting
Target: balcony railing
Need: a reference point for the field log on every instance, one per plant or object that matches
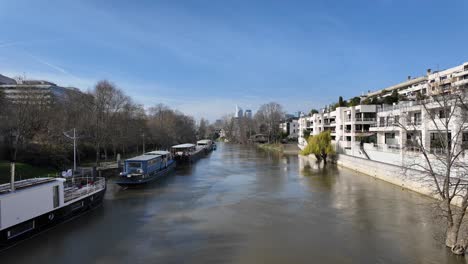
(75, 188)
(362, 119)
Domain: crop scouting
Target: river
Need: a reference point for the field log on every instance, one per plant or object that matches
(243, 205)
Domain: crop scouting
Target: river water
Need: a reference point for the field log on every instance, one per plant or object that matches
(243, 205)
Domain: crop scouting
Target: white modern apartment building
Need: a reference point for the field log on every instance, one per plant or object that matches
(388, 133)
(290, 127)
(399, 126)
(346, 124)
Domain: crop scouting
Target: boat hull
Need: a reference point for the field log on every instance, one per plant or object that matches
(128, 182)
(192, 158)
(50, 219)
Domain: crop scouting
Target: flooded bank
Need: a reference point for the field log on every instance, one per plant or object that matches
(244, 205)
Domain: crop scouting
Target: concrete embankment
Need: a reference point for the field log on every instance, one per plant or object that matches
(410, 179)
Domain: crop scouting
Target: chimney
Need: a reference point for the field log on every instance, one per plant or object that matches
(429, 71)
(409, 77)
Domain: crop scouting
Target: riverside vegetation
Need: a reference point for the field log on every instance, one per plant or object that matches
(320, 146)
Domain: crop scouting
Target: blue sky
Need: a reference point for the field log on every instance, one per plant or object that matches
(204, 57)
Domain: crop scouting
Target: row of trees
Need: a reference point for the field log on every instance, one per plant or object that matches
(107, 122)
(266, 122)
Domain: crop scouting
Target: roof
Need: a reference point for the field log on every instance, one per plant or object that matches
(204, 141)
(142, 158)
(157, 152)
(28, 183)
(6, 80)
(399, 86)
(186, 145)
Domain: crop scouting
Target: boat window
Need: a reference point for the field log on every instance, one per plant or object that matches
(20, 229)
(134, 165)
(55, 190)
(153, 162)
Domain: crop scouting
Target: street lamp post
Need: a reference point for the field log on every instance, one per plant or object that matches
(74, 137)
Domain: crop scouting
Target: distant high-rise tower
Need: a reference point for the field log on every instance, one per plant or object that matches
(239, 112)
(248, 113)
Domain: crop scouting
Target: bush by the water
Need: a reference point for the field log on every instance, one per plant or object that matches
(320, 146)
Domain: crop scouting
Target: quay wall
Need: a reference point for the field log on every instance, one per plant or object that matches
(409, 179)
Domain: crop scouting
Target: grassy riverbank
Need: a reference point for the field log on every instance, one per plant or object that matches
(272, 147)
(23, 171)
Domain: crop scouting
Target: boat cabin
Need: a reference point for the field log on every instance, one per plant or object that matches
(28, 199)
(205, 143)
(147, 163)
(183, 149)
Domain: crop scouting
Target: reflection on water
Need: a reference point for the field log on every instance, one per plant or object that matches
(243, 205)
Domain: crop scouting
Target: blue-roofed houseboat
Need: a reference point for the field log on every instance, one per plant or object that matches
(146, 168)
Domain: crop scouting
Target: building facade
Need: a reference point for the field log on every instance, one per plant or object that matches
(389, 132)
(291, 128)
(17, 91)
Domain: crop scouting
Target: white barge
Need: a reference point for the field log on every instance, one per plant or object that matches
(30, 206)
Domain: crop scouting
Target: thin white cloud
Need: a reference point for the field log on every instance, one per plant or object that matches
(9, 44)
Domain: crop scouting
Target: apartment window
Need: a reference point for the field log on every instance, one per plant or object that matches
(417, 118)
(443, 78)
(390, 138)
(382, 121)
(439, 140)
(465, 140)
(442, 114)
(56, 198)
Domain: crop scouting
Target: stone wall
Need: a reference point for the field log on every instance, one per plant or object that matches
(406, 178)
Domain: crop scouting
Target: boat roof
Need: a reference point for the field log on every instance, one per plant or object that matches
(143, 158)
(186, 145)
(204, 141)
(23, 184)
(157, 152)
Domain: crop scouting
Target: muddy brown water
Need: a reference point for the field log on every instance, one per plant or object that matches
(244, 205)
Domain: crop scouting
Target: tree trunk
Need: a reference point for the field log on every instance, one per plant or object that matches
(451, 240)
(451, 236)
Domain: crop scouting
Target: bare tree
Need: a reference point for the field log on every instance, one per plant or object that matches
(270, 115)
(439, 156)
(27, 117)
(109, 101)
(168, 127)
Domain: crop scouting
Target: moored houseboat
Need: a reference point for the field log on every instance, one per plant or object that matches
(146, 168)
(206, 144)
(30, 206)
(187, 152)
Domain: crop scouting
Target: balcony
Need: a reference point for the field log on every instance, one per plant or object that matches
(460, 83)
(361, 119)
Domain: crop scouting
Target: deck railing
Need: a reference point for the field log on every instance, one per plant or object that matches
(77, 187)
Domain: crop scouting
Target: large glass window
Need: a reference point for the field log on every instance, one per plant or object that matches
(439, 141)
